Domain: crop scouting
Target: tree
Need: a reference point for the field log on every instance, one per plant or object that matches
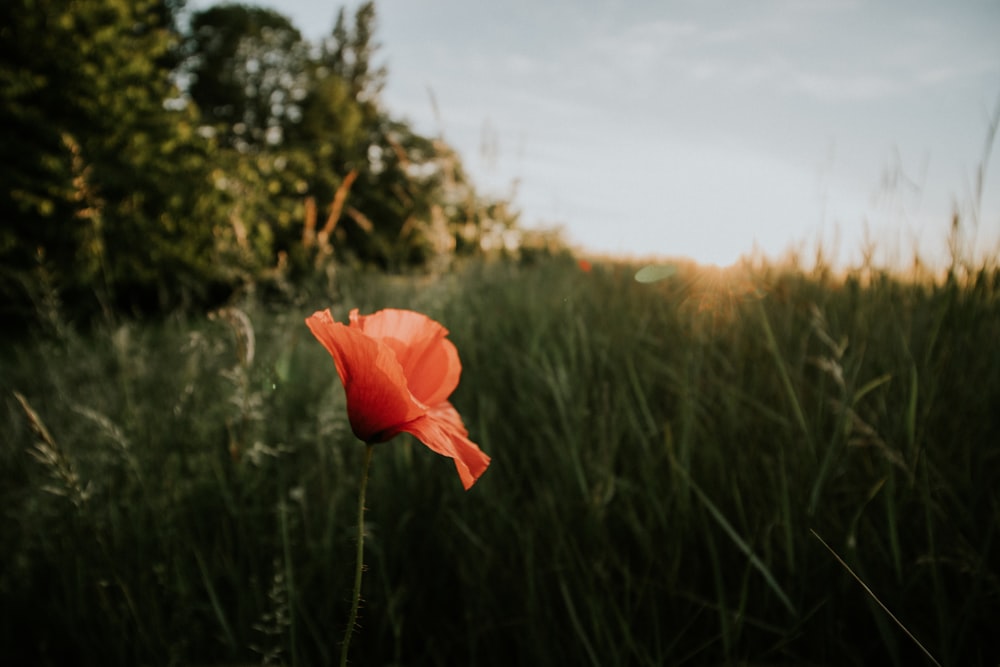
(145, 184)
(311, 119)
(102, 183)
(343, 123)
(349, 54)
(247, 69)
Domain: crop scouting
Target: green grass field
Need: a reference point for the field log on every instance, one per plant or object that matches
(666, 458)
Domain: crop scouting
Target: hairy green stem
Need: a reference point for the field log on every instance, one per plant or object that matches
(359, 567)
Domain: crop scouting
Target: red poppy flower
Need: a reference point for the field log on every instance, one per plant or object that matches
(398, 370)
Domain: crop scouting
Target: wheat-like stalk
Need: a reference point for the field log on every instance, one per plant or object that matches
(47, 452)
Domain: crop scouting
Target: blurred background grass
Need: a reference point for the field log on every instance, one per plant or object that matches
(181, 490)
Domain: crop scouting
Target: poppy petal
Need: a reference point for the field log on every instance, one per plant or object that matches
(442, 430)
(430, 361)
(377, 395)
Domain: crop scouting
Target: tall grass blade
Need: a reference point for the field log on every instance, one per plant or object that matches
(786, 512)
(720, 588)
(893, 527)
(870, 386)
(577, 626)
(286, 547)
(911, 417)
(786, 381)
(213, 597)
(734, 536)
(875, 597)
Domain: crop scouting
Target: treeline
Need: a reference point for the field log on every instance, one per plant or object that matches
(150, 163)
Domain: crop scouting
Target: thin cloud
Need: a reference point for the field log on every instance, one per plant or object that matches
(846, 88)
(825, 51)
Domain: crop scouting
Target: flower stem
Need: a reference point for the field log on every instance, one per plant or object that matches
(356, 597)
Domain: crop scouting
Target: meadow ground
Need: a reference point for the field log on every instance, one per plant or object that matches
(669, 459)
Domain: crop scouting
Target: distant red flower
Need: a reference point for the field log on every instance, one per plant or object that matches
(584, 265)
(398, 370)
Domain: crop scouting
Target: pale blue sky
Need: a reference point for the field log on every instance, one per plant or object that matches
(706, 128)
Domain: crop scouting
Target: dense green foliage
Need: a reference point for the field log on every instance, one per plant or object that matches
(147, 165)
(103, 188)
(661, 454)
